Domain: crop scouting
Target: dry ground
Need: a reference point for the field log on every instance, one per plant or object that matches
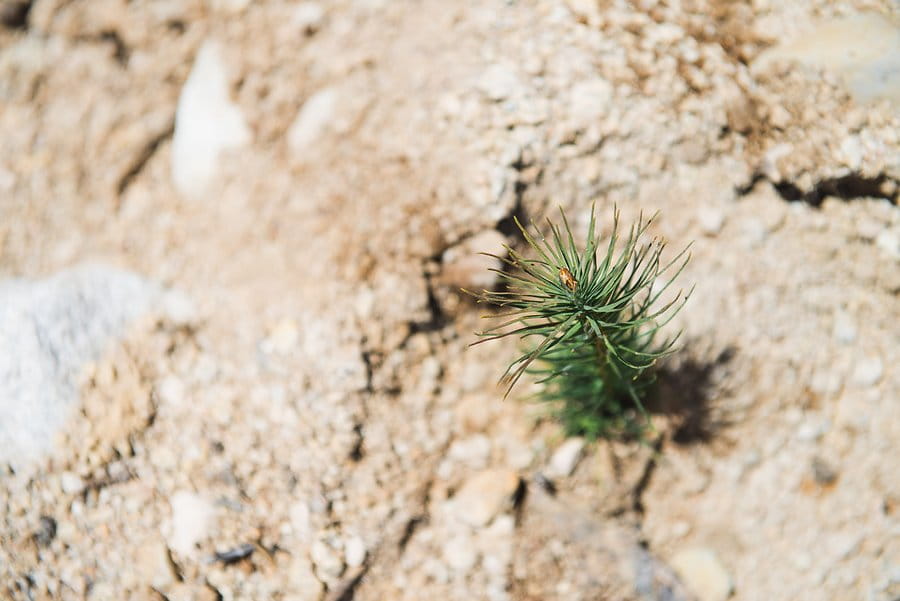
(310, 423)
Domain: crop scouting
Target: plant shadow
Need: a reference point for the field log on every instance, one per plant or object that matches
(685, 391)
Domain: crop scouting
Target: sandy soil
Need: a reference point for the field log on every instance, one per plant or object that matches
(303, 418)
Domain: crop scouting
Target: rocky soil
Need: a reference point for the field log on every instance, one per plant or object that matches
(235, 359)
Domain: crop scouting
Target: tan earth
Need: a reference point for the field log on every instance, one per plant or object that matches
(301, 417)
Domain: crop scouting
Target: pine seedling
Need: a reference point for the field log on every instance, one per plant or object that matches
(590, 324)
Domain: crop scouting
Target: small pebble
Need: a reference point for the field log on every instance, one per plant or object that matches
(703, 573)
(236, 554)
(565, 458)
(811, 430)
(519, 454)
(868, 371)
(460, 554)
(589, 102)
(823, 473)
(312, 120)
(485, 495)
(754, 232)
(680, 529)
(868, 227)
(71, 484)
(499, 82)
(46, 531)
(825, 382)
(354, 552)
(207, 122)
(300, 519)
(779, 116)
(178, 308)
(473, 451)
(844, 329)
(192, 520)
(308, 16)
(889, 243)
(284, 336)
(170, 391)
(329, 565)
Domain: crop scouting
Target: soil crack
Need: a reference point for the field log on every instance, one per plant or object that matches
(142, 158)
(847, 188)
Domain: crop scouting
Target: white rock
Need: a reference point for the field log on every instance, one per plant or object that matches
(500, 529)
(844, 327)
(329, 564)
(852, 152)
(460, 554)
(193, 518)
(300, 519)
(444, 470)
(284, 336)
(868, 371)
(754, 232)
(868, 228)
(49, 329)
(495, 543)
(207, 123)
(811, 430)
(826, 382)
(499, 81)
(589, 102)
(779, 116)
(178, 308)
(308, 16)
(494, 565)
(711, 220)
(171, 391)
(519, 454)
(70, 483)
(312, 120)
(496, 591)
(771, 159)
(485, 495)
(889, 242)
(703, 573)
(354, 552)
(565, 458)
(680, 529)
(664, 34)
(473, 451)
